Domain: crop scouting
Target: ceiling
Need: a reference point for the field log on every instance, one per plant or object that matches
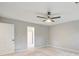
(27, 11)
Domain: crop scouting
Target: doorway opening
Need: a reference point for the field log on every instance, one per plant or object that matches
(30, 37)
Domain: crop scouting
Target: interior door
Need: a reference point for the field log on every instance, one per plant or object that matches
(30, 37)
(7, 44)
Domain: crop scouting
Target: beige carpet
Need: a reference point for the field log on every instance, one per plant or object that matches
(44, 52)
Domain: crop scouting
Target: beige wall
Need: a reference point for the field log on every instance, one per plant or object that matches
(41, 33)
(65, 35)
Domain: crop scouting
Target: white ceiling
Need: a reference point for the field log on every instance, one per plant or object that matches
(27, 11)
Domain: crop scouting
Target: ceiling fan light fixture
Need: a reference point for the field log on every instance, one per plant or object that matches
(48, 21)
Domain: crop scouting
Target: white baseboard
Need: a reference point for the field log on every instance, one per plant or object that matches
(67, 49)
(40, 47)
(19, 50)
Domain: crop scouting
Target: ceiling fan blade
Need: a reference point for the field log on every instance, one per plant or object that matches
(44, 20)
(52, 20)
(41, 17)
(56, 17)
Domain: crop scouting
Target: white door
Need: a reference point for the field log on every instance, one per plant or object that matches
(30, 37)
(7, 44)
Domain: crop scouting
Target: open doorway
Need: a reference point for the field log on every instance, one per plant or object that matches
(30, 37)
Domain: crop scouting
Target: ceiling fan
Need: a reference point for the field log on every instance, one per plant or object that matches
(48, 18)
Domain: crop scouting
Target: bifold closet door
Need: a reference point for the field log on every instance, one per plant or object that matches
(7, 43)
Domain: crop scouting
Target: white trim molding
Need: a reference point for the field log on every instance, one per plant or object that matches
(67, 49)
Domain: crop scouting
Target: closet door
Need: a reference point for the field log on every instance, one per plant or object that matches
(7, 43)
